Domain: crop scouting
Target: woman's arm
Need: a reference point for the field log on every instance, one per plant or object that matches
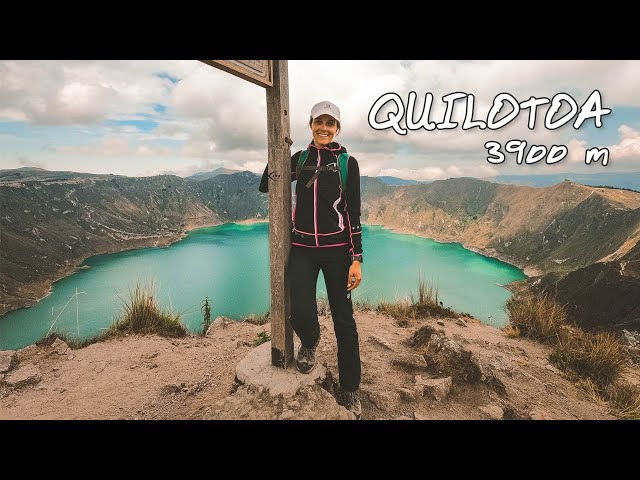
(353, 222)
(353, 208)
(264, 182)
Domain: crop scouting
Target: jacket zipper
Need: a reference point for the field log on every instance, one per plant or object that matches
(315, 202)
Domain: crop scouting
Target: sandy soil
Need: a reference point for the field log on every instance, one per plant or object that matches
(150, 377)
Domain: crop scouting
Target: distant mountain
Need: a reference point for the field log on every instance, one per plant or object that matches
(49, 223)
(582, 243)
(225, 171)
(233, 196)
(26, 174)
(397, 181)
(630, 180)
(374, 187)
(573, 238)
(207, 175)
(558, 228)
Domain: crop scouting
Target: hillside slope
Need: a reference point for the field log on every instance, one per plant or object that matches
(48, 227)
(51, 221)
(150, 377)
(558, 228)
(601, 296)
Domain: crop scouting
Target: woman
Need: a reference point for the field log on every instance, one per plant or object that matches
(327, 236)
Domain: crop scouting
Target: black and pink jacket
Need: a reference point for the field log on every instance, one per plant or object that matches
(324, 215)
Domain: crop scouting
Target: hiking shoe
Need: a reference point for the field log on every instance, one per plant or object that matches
(306, 359)
(350, 401)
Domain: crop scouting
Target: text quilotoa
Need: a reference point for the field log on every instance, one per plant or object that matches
(591, 108)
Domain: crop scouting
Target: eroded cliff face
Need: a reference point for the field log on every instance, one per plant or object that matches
(600, 296)
(582, 243)
(49, 226)
(50, 223)
(558, 228)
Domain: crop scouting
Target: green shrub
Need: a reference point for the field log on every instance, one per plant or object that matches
(262, 338)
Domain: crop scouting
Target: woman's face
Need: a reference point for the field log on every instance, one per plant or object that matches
(324, 129)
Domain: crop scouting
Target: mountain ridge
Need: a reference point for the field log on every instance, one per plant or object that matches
(49, 227)
(62, 221)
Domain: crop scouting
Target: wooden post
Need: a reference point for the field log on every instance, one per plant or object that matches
(279, 213)
(273, 75)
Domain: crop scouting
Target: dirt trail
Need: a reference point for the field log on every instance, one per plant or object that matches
(150, 377)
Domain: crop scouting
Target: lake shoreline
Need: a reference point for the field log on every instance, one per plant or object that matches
(528, 270)
(44, 287)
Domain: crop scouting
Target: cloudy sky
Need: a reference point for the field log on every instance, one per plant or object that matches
(140, 118)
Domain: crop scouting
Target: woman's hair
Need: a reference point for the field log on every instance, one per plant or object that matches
(337, 122)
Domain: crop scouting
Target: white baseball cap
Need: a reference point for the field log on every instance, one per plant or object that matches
(323, 108)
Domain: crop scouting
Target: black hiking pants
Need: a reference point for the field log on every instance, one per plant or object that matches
(304, 265)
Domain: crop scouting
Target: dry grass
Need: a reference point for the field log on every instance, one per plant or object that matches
(597, 357)
(399, 309)
(427, 305)
(595, 361)
(427, 295)
(537, 317)
(622, 396)
(141, 314)
(363, 305)
(625, 398)
(591, 389)
(511, 331)
(256, 319)
(325, 309)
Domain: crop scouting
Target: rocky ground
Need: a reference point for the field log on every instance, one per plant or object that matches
(454, 368)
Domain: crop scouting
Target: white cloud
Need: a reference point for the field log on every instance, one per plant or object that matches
(576, 151)
(73, 92)
(214, 118)
(629, 146)
(440, 173)
(113, 146)
(170, 130)
(616, 79)
(233, 111)
(625, 154)
(13, 113)
(156, 151)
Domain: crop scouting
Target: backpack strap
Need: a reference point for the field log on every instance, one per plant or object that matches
(301, 159)
(343, 167)
(343, 164)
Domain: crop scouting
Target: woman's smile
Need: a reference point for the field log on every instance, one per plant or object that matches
(324, 129)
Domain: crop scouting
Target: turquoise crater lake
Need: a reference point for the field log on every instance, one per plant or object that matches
(230, 264)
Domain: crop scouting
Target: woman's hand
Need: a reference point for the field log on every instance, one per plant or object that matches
(355, 276)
